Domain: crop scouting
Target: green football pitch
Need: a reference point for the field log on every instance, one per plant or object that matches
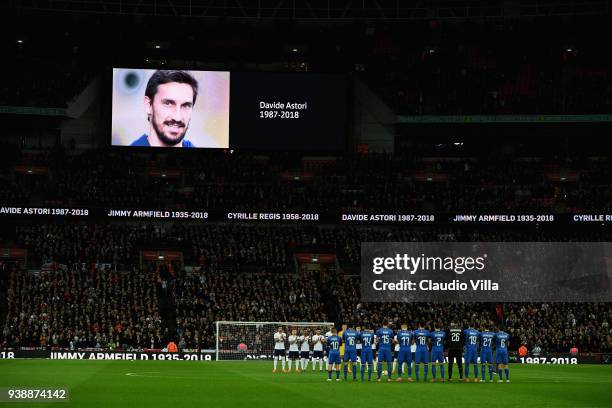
(153, 384)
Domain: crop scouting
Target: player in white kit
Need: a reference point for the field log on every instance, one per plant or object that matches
(413, 351)
(279, 348)
(395, 355)
(294, 351)
(317, 348)
(375, 365)
(304, 349)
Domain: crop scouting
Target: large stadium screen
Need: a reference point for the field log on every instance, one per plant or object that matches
(219, 109)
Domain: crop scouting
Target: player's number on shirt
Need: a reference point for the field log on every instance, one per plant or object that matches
(456, 337)
(472, 340)
(502, 343)
(405, 341)
(367, 341)
(351, 341)
(385, 338)
(438, 341)
(486, 342)
(422, 340)
(334, 345)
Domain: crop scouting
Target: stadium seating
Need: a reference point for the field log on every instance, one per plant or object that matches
(75, 296)
(82, 307)
(235, 182)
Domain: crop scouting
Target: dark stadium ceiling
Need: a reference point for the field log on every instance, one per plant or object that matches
(321, 10)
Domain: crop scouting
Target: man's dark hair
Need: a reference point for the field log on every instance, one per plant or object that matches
(165, 76)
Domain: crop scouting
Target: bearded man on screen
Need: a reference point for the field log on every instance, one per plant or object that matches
(169, 99)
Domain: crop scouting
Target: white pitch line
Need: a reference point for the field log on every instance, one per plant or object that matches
(142, 374)
(146, 374)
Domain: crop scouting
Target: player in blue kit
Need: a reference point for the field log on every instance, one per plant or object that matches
(486, 353)
(437, 351)
(404, 338)
(501, 353)
(349, 338)
(471, 352)
(421, 338)
(367, 355)
(384, 338)
(333, 342)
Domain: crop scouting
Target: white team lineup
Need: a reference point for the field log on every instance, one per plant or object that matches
(299, 350)
(364, 350)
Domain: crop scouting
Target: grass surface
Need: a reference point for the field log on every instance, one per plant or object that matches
(153, 384)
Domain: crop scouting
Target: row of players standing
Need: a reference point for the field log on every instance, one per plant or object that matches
(299, 349)
(410, 345)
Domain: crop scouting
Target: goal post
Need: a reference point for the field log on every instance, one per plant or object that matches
(255, 340)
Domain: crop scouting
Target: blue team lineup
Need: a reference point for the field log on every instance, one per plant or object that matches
(364, 349)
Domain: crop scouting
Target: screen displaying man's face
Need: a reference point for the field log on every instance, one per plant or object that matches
(170, 112)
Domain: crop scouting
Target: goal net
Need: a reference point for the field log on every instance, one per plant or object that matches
(255, 340)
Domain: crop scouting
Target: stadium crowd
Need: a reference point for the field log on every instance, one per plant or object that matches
(119, 243)
(247, 246)
(75, 243)
(551, 327)
(90, 270)
(224, 181)
(82, 306)
(202, 299)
